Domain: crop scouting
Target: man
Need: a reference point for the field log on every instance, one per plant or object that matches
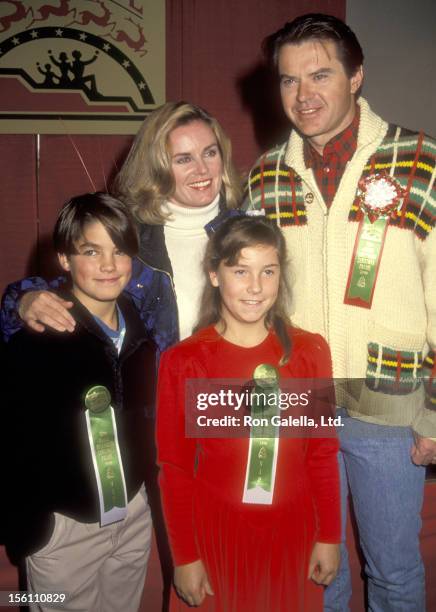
(356, 200)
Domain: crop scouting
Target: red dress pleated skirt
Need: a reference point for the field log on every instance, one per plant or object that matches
(256, 557)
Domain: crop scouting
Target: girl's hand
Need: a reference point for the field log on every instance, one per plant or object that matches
(324, 563)
(192, 583)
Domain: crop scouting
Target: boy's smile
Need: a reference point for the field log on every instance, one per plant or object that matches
(99, 270)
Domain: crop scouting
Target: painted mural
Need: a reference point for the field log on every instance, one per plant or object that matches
(89, 66)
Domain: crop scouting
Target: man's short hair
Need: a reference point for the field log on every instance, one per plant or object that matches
(84, 209)
(316, 26)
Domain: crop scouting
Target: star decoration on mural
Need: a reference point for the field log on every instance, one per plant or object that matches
(112, 51)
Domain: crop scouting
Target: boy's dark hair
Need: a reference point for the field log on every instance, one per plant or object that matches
(317, 26)
(81, 210)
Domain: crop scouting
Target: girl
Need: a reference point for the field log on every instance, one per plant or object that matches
(230, 555)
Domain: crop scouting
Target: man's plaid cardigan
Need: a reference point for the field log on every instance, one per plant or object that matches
(392, 344)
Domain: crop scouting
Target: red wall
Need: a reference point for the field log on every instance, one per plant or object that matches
(32, 192)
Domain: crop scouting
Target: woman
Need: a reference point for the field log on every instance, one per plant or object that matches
(241, 546)
(178, 178)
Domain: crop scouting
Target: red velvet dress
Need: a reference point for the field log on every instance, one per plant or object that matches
(256, 556)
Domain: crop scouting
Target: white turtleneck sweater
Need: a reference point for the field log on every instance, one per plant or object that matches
(186, 240)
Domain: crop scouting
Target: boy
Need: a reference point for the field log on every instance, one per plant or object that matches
(78, 404)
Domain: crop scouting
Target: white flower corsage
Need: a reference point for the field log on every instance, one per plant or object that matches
(379, 195)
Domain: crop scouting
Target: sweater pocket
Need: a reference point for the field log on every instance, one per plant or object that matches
(393, 371)
(429, 377)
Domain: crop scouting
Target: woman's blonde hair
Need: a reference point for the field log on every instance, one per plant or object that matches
(225, 246)
(146, 180)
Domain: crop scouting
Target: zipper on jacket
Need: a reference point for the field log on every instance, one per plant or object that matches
(172, 287)
(324, 268)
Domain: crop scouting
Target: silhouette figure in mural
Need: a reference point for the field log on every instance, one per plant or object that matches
(77, 67)
(50, 77)
(64, 67)
(71, 72)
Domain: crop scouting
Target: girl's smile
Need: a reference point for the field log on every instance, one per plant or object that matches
(249, 288)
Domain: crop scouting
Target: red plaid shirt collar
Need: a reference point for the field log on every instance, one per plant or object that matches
(329, 167)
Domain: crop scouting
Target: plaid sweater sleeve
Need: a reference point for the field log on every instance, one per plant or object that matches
(248, 203)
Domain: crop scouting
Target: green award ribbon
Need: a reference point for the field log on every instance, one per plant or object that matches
(263, 446)
(365, 263)
(106, 457)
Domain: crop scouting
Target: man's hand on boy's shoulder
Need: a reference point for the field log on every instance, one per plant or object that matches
(41, 309)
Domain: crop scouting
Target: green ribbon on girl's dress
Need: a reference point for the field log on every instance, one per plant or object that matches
(264, 442)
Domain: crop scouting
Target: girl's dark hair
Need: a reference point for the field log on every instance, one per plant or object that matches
(225, 246)
(81, 210)
(319, 27)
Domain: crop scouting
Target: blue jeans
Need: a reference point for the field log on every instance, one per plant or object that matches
(387, 491)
